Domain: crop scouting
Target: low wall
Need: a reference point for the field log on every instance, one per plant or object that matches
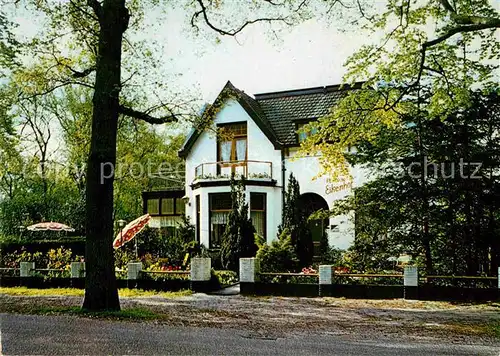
(280, 289)
(252, 282)
(430, 292)
(366, 291)
(199, 279)
(362, 291)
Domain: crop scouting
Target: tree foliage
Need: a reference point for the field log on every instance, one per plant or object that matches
(238, 239)
(279, 255)
(441, 47)
(295, 223)
(436, 192)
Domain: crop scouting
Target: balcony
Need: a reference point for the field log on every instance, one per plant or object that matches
(259, 171)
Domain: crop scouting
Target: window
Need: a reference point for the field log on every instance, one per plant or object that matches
(220, 207)
(232, 143)
(258, 212)
(304, 135)
(167, 206)
(180, 207)
(198, 218)
(154, 206)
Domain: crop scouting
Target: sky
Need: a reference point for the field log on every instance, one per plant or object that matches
(306, 55)
(256, 61)
(197, 66)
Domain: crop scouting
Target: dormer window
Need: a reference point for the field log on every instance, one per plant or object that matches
(303, 135)
(232, 143)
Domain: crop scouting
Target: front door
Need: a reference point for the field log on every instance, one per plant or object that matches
(310, 203)
(317, 230)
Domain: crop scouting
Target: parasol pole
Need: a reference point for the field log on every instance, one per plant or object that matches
(136, 251)
(121, 225)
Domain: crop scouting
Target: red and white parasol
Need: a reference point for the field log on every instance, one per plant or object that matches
(130, 230)
(50, 226)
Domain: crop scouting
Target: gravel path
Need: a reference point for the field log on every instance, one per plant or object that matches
(277, 316)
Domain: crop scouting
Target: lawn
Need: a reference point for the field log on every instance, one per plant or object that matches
(124, 293)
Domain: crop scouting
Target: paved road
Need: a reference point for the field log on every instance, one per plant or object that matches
(61, 335)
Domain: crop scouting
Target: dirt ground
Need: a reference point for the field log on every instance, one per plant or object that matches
(270, 317)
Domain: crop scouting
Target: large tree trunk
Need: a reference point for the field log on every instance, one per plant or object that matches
(101, 289)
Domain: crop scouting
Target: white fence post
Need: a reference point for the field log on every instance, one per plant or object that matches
(411, 282)
(498, 277)
(325, 279)
(325, 274)
(77, 269)
(249, 270)
(27, 269)
(133, 270)
(201, 273)
(249, 274)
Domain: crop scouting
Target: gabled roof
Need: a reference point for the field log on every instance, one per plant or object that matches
(284, 108)
(276, 113)
(247, 103)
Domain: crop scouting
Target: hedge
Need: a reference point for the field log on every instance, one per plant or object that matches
(76, 244)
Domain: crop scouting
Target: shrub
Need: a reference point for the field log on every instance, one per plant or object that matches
(174, 245)
(226, 278)
(238, 238)
(279, 256)
(296, 223)
(13, 244)
(123, 256)
(332, 256)
(59, 258)
(12, 260)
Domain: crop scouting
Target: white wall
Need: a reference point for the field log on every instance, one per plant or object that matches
(305, 169)
(261, 149)
(273, 207)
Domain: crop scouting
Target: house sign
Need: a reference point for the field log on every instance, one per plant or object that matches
(334, 186)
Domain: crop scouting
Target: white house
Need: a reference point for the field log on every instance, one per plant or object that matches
(261, 143)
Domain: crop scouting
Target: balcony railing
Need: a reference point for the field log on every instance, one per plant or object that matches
(224, 170)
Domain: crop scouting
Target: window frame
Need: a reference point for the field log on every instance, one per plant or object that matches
(264, 210)
(210, 210)
(158, 206)
(198, 217)
(235, 137)
(301, 123)
(176, 202)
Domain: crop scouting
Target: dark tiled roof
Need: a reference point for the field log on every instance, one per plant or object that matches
(282, 109)
(276, 113)
(251, 107)
(254, 107)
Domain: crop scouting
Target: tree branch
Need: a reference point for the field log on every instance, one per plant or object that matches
(233, 32)
(55, 87)
(146, 117)
(491, 24)
(83, 73)
(461, 29)
(96, 6)
(446, 4)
